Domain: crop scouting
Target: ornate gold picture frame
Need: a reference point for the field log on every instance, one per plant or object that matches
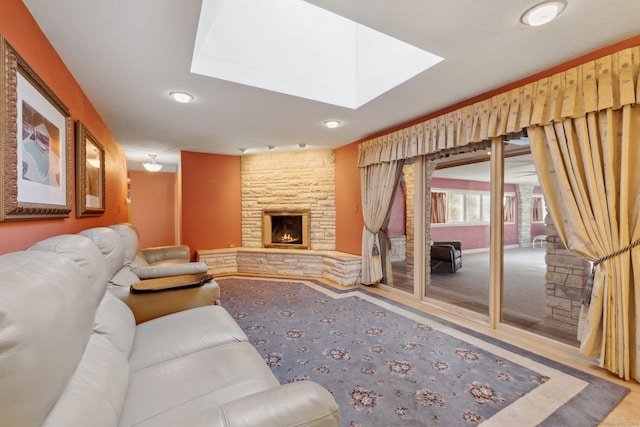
(35, 144)
(90, 173)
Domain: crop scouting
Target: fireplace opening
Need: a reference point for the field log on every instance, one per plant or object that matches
(286, 229)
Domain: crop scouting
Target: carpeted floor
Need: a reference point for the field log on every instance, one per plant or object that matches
(390, 365)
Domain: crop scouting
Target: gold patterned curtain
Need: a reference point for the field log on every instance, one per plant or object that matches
(608, 82)
(584, 127)
(589, 167)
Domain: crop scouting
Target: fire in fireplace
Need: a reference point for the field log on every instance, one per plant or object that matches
(286, 229)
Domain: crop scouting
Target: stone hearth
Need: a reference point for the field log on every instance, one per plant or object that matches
(339, 267)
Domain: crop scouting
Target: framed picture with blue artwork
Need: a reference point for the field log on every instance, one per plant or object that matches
(36, 144)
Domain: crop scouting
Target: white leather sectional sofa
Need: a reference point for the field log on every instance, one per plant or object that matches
(72, 354)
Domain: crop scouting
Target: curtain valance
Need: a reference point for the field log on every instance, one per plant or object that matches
(605, 83)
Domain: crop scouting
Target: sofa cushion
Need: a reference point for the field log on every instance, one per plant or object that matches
(85, 254)
(110, 246)
(95, 394)
(130, 240)
(115, 321)
(299, 403)
(195, 382)
(41, 342)
(182, 333)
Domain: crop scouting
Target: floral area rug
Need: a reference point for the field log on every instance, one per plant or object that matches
(390, 365)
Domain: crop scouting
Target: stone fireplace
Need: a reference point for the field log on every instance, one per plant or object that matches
(285, 229)
(309, 186)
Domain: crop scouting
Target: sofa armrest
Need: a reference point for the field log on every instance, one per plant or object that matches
(303, 403)
(168, 269)
(163, 253)
(152, 305)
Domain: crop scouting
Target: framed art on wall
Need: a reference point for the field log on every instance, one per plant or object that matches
(90, 174)
(35, 130)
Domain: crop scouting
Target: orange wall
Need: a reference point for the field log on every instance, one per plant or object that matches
(153, 207)
(349, 221)
(211, 201)
(19, 28)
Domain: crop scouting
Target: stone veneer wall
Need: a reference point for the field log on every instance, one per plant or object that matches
(565, 279)
(290, 181)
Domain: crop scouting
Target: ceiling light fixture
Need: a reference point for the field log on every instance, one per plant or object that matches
(182, 97)
(332, 124)
(301, 145)
(543, 13)
(271, 147)
(152, 166)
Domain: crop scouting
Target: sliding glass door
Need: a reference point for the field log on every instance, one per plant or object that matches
(537, 295)
(489, 246)
(459, 238)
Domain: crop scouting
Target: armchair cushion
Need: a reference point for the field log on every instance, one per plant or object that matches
(152, 263)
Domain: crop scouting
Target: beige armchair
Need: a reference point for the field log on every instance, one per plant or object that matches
(157, 262)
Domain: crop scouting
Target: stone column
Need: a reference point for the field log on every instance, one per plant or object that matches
(524, 193)
(565, 280)
(409, 191)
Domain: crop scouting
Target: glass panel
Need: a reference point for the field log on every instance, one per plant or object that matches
(459, 260)
(531, 301)
(473, 207)
(486, 208)
(455, 207)
(400, 231)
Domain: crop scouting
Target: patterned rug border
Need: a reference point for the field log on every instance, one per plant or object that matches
(580, 403)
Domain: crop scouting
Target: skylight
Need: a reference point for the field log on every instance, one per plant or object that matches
(296, 48)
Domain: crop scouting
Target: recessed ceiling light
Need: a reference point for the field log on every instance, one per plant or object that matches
(182, 97)
(301, 145)
(542, 13)
(332, 124)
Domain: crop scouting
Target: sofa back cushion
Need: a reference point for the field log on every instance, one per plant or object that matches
(46, 320)
(110, 245)
(130, 240)
(86, 255)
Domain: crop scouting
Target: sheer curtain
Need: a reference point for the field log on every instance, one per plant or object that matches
(378, 181)
(589, 171)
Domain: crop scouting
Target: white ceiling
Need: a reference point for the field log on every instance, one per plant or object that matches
(128, 55)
